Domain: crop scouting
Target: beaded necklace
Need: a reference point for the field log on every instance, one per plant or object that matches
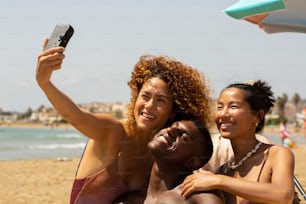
(233, 166)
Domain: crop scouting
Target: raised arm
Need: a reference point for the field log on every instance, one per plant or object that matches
(98, 127)
(280, 190)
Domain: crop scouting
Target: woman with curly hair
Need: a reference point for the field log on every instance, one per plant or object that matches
(116, 159)
(258, 172)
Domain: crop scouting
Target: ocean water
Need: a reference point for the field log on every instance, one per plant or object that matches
(298, 139)
(40, 143)
(47, 143)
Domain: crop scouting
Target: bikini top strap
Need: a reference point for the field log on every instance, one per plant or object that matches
(76, 172)
(266, 154)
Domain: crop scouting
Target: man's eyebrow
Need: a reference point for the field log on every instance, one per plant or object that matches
(186, 130)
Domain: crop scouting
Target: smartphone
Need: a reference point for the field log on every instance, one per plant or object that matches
(60, 36)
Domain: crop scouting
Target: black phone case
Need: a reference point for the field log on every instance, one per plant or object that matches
(60, 36)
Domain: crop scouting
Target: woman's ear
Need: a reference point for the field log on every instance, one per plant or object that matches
(261, 115)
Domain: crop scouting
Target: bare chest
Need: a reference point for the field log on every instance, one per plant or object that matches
(135, 168)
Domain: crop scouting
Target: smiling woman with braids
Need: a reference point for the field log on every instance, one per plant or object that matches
(258, 172)
(116, 159)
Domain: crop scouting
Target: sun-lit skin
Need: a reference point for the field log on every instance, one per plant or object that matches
(254, 174)
(177, 142)
(153, 106)
(234, 117)
(188, 88)
(179, 150)
(162, 90)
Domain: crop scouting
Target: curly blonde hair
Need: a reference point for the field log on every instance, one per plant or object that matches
(188, 87)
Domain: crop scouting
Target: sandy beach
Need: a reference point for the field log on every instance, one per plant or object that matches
(49, 181)
(36, 181)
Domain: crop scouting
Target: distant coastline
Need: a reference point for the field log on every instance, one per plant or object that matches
(266, 130)
(37, 125)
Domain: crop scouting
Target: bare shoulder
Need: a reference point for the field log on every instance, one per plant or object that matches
(213, 197)
(276, 149)
(98, 126)
(108, 118)
(110, 123)
(281, 152)
(174, 196)
(170, 197)
(124, 123)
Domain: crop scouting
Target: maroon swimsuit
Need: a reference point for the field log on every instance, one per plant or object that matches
(102, 188)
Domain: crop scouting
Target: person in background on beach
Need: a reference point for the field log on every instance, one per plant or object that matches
(116, 158)
(255, 173)
(287, 141)
(284, 133)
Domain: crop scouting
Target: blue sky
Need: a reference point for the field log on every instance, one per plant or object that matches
(110, 35)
